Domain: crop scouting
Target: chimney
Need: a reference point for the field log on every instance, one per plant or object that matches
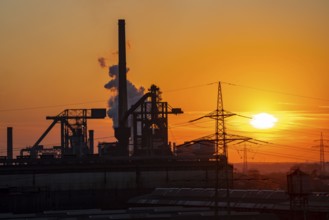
(9, 143)
(122, 73)
(122, 132)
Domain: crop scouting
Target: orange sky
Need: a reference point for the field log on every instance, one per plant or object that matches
(275, 52)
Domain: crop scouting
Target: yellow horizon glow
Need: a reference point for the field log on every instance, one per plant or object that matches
(49, 55)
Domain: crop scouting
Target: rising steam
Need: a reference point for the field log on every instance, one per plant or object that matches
(134, 93)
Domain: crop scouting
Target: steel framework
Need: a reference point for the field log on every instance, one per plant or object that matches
(73, 133)
(150, 124)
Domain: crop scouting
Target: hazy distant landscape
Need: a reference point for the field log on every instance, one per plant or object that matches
(265, 168)
(273, 176)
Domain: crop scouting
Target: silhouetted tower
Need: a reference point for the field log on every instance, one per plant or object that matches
(245, 150)
(122, 132)
(220, 138)
(221, 145)
(244, 157)
(322, 146)
(123, 103)
(220, 141)
(219, 115)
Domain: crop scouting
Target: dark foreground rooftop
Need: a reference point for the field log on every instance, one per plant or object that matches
(239, 200)
(162, 212)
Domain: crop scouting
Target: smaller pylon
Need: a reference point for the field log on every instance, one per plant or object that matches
(322, 146)
(244, 156)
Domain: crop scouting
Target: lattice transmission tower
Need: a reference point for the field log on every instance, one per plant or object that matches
(220, 137)
(322, 146)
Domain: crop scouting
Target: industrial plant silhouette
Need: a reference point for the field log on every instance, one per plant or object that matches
(142, 175)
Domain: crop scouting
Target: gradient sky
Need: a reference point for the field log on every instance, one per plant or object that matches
(272, 54)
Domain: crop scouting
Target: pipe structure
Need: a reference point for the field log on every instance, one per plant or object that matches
(91, 141)
(9, 143)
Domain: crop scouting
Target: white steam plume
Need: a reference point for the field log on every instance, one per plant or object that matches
(134, 93)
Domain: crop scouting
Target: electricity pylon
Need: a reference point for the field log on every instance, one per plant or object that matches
(220, 137)
(245, 151)
(322, 146)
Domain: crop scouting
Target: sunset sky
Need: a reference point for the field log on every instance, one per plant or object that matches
(270, 55)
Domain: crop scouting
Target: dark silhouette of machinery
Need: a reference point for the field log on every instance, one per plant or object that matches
(73, 134)
(150, 124)
(149, 127)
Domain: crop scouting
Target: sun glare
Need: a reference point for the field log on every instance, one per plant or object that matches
(263, 121)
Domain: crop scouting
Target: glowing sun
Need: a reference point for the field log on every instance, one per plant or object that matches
(263, 121)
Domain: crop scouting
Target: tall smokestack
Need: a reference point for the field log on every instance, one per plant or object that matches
(122, 72)
(122, 132)
(9, 143)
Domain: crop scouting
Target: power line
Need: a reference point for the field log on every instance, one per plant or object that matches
(276, 154)
(170, 90)
(285, 146)
(190, 87)
(248, 87)
(284, 155)
(275, 91)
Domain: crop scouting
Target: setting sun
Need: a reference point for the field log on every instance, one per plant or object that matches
(263, 121)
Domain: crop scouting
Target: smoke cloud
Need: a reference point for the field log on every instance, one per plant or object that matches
(102, 62)
(134, 94)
